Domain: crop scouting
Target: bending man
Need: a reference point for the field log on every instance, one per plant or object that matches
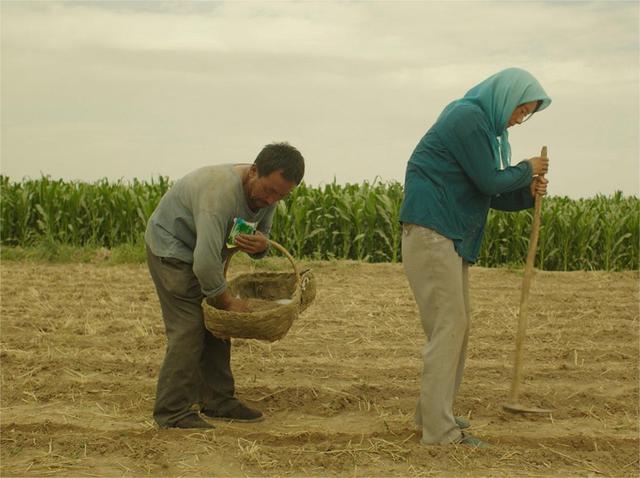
(185, 238)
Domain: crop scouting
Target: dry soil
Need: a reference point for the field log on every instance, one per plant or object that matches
(82, 344)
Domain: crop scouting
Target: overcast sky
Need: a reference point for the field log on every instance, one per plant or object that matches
(141, 89)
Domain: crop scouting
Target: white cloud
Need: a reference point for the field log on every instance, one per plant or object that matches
(354, 84)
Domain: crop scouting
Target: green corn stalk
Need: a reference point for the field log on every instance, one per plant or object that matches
(352, 221)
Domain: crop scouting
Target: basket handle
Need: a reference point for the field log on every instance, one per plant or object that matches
(271, 243)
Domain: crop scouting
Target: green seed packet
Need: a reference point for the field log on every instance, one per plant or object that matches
(240, 226)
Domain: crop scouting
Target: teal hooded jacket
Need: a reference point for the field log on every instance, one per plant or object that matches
(461, 166)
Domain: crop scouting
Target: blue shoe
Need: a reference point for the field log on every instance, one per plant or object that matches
(462, 423)
(472, 441)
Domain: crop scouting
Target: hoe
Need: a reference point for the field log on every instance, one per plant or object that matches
(514, 405)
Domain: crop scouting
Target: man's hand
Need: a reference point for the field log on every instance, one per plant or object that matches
(226, 301)
(237, 305)
(252, 243)
(538, 186)
(539, 165)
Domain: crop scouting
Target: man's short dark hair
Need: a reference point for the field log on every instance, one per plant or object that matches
(281, 157)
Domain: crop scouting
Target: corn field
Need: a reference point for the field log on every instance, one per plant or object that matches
(353, 221)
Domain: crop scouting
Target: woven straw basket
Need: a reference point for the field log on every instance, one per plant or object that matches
(276, 299)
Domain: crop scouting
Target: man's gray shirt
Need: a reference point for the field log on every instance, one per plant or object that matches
(194, 218)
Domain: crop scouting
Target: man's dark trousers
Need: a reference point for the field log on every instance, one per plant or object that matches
(196, 368)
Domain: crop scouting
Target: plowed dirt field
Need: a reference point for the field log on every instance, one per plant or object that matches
(81, 345)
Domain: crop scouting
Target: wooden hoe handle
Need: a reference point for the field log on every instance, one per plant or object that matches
(524, 296)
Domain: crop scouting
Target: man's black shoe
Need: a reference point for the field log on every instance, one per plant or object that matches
(241, 413)
(191, 421)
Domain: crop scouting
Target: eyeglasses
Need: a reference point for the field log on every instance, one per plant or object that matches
(526, 116)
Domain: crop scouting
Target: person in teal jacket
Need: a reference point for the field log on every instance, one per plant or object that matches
(459, 169)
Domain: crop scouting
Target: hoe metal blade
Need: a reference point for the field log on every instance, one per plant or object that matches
(519, 408)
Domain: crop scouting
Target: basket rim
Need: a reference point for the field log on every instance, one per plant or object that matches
(278, 246)
(297, 291)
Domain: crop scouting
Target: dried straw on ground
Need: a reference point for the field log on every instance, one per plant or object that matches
(82, 344)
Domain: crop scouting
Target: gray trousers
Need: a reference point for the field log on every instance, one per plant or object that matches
(439, 279)
(196, 372)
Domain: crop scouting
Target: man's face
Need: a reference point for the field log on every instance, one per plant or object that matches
(266, 190)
